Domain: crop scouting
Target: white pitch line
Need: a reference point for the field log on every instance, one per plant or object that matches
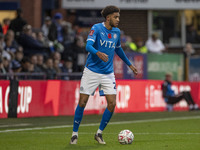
(97, 124)
(91, 133)
(170, 133)
(14, 125)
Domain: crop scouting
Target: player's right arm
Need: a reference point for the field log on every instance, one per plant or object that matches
(91, 49)
(90, 42)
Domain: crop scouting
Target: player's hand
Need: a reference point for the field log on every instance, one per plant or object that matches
(134, 69)
(102, 56)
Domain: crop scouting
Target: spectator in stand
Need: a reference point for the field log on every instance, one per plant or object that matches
(41, 38)
(6, 64)
(57, 33)
(79, 54)
(27, 66)
(69, 32)
(44, 41)
(57, 56)
(2, 42)
(77, 51)
(76, 30)
(2, 69)
(68, 36)
(56, 29)
(18, 23)
(11, 35)
(9, 45)
(19, 55)
(171, 98)
(30, 45)
(69, 51)
(192, 35)
(34, 61)
(67, 68)
(40, 62)
(50, 71)
(138, 46)
(68, 65)
(46, 26)
(16, 66)
(154, 44)
(34, 35)
(5, 54)
(56, 66)
(123, 39)
(188, 50)
(5, 27)
(5, 57)
(1, 30)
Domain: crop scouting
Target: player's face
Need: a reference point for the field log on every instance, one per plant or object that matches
(114, 19)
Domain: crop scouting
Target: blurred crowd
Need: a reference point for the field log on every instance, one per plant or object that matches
(57, 47)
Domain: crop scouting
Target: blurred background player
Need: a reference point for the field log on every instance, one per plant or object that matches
(103, 40)
(171, 98)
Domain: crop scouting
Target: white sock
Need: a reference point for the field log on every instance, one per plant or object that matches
(75, 133)
(99, 131)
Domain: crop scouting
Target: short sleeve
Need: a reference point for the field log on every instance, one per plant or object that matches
(118, 45)
(93, 34)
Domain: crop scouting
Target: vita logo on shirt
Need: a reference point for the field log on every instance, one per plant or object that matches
(108, 44)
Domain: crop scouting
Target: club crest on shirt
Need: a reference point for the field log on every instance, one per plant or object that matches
(115, 36)
(91, 32)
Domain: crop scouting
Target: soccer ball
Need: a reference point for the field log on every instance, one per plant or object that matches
(125, 137)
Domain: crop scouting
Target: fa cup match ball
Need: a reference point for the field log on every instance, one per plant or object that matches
(125, 137)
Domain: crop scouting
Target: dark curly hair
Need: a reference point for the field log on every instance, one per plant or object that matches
(109, 10)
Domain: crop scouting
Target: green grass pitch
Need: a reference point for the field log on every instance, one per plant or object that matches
(152, 131)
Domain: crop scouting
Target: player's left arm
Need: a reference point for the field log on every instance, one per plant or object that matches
(122, 55)
(119, 51)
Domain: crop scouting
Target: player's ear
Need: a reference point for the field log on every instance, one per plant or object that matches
(108, 17)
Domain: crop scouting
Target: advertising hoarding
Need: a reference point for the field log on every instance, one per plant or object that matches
(160, 64)
(56, 97)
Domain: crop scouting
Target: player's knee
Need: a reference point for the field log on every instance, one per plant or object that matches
(82, 103)
(112, 105)
(83, 100)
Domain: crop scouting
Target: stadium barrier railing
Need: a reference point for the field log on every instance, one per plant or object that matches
(40, 76)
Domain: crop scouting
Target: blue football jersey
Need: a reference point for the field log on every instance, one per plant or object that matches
(105, 41)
